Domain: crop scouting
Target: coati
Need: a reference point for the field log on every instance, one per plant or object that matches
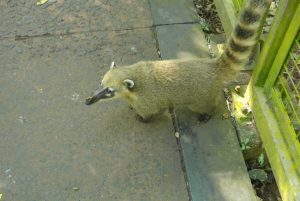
(153, 86)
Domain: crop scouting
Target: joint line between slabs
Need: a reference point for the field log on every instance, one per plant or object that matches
(24, 37)
(180, 151)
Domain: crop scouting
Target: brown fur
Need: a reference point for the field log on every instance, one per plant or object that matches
(195, 83)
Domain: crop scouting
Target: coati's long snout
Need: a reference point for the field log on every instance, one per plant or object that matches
(100, 94)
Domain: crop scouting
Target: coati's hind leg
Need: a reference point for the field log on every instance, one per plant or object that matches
(203, 111)
(204, 117)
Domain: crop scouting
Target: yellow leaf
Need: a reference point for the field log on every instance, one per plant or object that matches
(41, 2)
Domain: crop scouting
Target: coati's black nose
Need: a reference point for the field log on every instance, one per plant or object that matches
(99, 94)
(90, 100)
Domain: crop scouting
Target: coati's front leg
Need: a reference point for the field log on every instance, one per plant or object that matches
(145, 113)
(144, 119)
(141, 116)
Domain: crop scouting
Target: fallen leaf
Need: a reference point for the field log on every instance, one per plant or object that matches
(258, 174)
(41, 2)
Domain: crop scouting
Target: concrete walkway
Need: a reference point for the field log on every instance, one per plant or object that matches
(54, 148)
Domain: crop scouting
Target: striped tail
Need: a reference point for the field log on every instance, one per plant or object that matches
(245, 35)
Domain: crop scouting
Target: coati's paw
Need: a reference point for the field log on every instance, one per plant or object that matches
(203, 118)
(142, 119)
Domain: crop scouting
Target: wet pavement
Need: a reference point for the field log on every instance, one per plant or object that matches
(53, 146)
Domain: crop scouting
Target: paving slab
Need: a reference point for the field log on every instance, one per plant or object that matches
(54, 147)
(24, 17)
(214, 163)
(175, 11)
(183, 41)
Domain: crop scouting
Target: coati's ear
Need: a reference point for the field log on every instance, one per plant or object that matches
(112, 65)
(129, 83)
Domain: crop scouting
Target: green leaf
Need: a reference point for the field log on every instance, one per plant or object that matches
(258, 174)
(261, 159)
